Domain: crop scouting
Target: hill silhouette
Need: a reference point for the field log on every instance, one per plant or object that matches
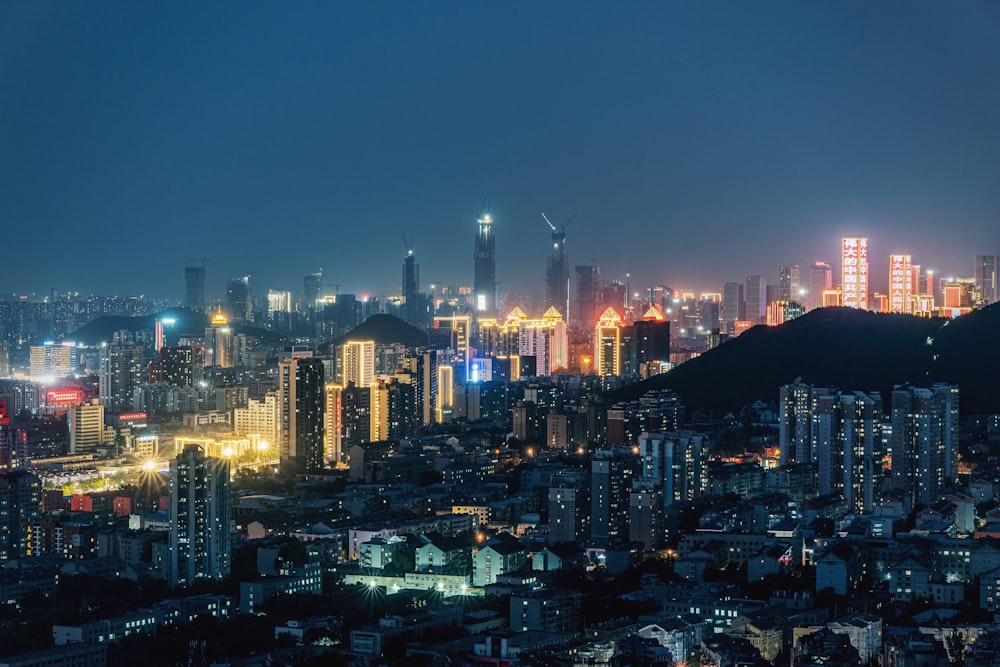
(845, 348)
(103, 328)
(385, 329)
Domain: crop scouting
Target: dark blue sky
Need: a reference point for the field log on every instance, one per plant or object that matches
(695, 142)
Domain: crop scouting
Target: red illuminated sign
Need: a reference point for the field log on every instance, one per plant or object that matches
(64, 396)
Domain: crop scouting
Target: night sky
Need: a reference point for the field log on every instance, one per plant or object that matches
(695, 142)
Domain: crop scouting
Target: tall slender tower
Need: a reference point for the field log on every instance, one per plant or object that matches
(194, 287)
(557, 273)
(301, 408)
(411, 287)
(485, 284)
(986, 270)
(199, 517)
(854, 272)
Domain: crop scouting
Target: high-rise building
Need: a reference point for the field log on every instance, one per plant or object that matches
(796, 404)
(313, 284)
(820, 281)
(194, 287)
(846, 442)
(9, 455)
(651, 343)
(86, 427)
(733, 305)
(557, 272)
(50, 360)
(333, 416)
(674, 463)
(756, 299)
(583, 313)
(355, 416)
(854, 272)
(986, 277)
(20, 504)
(4, 359)
(200, 516)
(608, 344)
(238, 302)
(901, 283)
(924, 441)
(564, 514)
(301, 406)
(611, 475)
(788, 283)
(357, 362)
(485, 280)
(278, 301)
(259, 417)
(218, 342)
(121, 373)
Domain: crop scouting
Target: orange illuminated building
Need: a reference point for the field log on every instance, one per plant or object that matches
(901, 281)
(831, 298)
(739, 326)
(854, 272)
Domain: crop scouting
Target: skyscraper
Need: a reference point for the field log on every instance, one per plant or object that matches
(238, 303)
(901, 283)
(820, 280)
(788, 283)
(200, 515)
(582, 312)
(357, 362)
(86, 427)
(485, 281)
(218, 342)
(417, 307)
(924, 441)
(733, 305)
(557, 273)
(987, 267)
(611, 475)
(756, 297)
(194, 287)
(20, 504)
(121, 373)
(674, 463)
(854, 272)
(313, 284)
(846, 443)
(608, 344)
(301, 405)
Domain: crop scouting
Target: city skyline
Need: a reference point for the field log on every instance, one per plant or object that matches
(730, 142)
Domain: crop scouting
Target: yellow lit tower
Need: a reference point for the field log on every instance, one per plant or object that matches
(607, 344)
(854, 272)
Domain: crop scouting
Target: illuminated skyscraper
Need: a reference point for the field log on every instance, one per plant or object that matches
(194, 287)
(278, 301)
(357, 362)
(301, 406)
(846, 443)
(608, 344)
(200, 514)
(820, 280)
(788, 283)
(987, 268)
(485, 282)
(333, 450)
(218, 342)
(901, 282)
(854, 272)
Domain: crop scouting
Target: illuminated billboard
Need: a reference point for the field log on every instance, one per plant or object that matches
(900, 283)
(854, 272)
